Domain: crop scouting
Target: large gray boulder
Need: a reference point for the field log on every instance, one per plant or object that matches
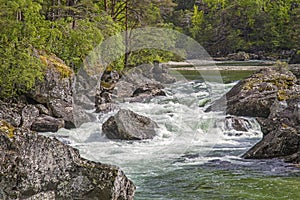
(56, 92)
(37, 167)
(29, 113)
(255, 95)
(273, 97)
(11, 112)
(127, 125)
(281, 133)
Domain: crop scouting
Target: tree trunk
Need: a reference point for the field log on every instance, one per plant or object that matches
(105, 6)
(126, 35)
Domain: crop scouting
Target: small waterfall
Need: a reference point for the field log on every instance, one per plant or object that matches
(240, 126)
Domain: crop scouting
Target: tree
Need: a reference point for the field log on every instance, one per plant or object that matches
(20, 65)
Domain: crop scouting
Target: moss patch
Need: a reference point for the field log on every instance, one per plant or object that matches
(7, 129)
(58, 64)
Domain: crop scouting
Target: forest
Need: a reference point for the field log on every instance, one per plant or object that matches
(70, 29)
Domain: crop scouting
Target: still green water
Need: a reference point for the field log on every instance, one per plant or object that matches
(207, 182)
(228, 76)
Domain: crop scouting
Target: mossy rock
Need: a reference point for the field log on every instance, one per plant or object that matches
(7, 128)
(282, 95)
(107, 85)
(53, 61)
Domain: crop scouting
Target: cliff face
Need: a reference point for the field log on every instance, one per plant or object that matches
(37, 167)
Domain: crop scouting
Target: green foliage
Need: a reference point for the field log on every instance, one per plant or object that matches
(19, 70)
(197, 20)
(73, 29)
(75, 44)
(150, 55)
(242, 25)
(20, 66)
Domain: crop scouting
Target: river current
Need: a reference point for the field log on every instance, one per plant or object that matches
(193, 155)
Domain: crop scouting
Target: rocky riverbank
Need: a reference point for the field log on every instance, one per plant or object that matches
(272, 96)
(49, 106)
(37, 167)
(135, 85)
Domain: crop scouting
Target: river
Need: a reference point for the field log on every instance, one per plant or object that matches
(193, 156)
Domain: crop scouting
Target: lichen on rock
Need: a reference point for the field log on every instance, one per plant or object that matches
(273, 97)
(37, 167)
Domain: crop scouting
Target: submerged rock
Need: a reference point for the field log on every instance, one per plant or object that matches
(37, 167)
(127, 125)
(237, 124)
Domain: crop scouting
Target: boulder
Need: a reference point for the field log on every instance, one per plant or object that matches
(273, 97)
(73, 115)
(85, 101)
(85, 86)
(56, 92)
(237, 124)
(295, 59)
(11, 112)
(46, 123)
(255, 95)
(54, 86)
(29, 113)
(160, 74)
(62, 109)
(281, 133)
(135, 85)
(42, 109)
(127, 125)
(240, 56)
(282, 142)
(38, 167)
(149, 90)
